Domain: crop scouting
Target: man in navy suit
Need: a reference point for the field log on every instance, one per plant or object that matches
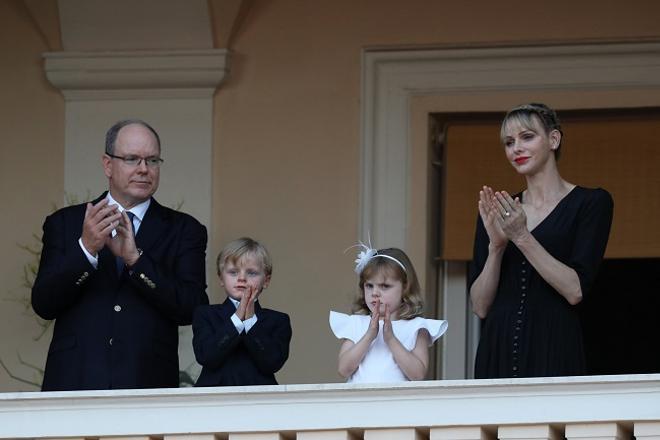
(119, 275)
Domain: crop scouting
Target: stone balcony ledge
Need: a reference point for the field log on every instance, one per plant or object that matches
(286, 409)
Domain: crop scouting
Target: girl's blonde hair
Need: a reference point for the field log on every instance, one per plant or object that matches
(240, 247)
(412, 302)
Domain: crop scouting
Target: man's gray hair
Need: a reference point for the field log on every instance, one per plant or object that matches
(113, 132)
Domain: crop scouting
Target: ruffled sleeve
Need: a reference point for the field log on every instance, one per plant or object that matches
(435, 327)
(342, 326)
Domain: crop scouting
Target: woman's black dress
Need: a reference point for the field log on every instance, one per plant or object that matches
(530, 329)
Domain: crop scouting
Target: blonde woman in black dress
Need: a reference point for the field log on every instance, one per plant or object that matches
(536, 255)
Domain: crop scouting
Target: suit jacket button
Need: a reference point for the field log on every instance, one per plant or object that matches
(110, 341)
(117, 308)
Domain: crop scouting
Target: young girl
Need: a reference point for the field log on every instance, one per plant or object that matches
(387, 340)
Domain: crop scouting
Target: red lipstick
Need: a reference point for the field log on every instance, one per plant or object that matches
(521, 160)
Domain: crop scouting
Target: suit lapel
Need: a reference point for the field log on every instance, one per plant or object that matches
(227, 308)
(257, 310)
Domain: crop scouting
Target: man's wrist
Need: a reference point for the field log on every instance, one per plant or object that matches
(92, 252)
(132, 261)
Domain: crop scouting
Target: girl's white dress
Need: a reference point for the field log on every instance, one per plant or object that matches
(378, 364)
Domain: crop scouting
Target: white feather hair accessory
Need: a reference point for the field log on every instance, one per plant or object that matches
(367, 253)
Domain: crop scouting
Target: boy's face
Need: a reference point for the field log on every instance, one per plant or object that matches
(246, 272)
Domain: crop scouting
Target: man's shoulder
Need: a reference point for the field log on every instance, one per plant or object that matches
(174, 215)
(69, 211)
(170, 212)
(76, 209)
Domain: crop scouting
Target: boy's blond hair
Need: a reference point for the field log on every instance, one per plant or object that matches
(237, 249)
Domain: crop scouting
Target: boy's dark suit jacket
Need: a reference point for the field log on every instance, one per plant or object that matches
(115, 331)
(228, 358)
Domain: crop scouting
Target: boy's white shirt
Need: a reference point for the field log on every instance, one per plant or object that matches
(241, 325)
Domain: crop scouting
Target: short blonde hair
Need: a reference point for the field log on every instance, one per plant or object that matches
(412, 302)
(237, 249)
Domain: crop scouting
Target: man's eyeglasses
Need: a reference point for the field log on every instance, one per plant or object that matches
(134, 161)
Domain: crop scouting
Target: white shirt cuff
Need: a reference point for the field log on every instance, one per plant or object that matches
(94, 261)
(249, 323)
(237, 323)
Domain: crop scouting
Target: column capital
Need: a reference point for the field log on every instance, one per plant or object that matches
(137, 74)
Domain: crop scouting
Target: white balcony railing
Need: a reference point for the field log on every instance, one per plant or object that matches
(593, 408)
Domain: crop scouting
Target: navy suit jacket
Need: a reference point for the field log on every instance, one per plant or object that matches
(230, 358)
(119, 331)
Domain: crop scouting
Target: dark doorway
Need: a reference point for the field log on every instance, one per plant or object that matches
(620, 318)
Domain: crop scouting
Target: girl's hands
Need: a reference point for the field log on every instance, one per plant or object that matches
(490, 216)
(511, 218)
(388, 333)
(372, 331)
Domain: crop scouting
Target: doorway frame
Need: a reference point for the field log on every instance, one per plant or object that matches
(392, 80)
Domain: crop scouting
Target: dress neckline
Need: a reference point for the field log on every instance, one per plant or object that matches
(559, 203)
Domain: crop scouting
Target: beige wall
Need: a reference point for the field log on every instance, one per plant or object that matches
(287, 136)
(31, 177)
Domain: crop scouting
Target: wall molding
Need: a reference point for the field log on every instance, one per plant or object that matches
(137, 74)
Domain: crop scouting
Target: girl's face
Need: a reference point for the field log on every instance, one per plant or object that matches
(383, 288)
(247, 272)
(529, 149)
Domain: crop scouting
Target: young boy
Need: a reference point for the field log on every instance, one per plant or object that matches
(238, 342)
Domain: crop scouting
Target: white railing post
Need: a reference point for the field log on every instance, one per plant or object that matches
(393, 434)
(597, 431)
(647, 430)
(528, 432)
(257, 436)
(191, 437)
(463, 433)
(340, 434)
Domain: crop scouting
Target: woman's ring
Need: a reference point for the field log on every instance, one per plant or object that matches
(507, 213)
